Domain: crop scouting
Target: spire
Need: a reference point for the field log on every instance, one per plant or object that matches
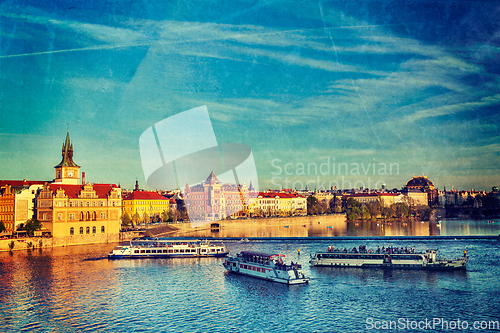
(67, 153)
(212, 179)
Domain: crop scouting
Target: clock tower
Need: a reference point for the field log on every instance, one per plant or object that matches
(67, 172)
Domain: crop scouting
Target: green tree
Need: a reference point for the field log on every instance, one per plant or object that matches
(126, 220)
(353, 209)
(31, 226)
(424, 212)
(374, 209)
(335, 205)
(2, 227)
(400, 209)
(354, 213)
(136, 218)
(164, 216)
(312, 207)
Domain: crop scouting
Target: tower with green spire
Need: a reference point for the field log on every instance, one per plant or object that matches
(67, 172)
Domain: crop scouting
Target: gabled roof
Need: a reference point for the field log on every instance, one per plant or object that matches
(212, 179)
(18, 183)
(72, 191)
(359, 195)
(281, 195)
(144, 195)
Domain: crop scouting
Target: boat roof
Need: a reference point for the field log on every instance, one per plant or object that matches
(260, 254)
(155, 239)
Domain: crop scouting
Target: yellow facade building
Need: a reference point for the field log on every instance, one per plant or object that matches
(76, 213)
(7, 200)
(145, 204)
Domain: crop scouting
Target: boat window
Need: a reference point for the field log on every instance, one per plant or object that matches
(176, 251)
(136, 251)
(148, 251)
(153, 251)
(142, 251)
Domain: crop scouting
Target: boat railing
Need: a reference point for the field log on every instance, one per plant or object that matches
(372, 251)
(450, 259)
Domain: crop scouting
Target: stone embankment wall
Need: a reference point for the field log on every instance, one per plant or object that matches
(26, 243)
(44, 242)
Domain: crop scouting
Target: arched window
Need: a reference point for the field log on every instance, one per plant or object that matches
(87, 216)
(102, 229)
(81, 230)
(81, 216)
(94, 215)
(87, 230)
(71, 231)
(94, 230)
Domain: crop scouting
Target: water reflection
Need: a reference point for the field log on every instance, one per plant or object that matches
(73, 289)
(336, 225)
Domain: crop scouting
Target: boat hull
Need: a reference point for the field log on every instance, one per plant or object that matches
(285, 274)
(153, 256)
(391, 266)
(158, 248)
(427, 260)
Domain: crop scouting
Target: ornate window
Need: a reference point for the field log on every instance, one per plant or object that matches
(71, 231)
(102, 229)
(81, 230)
(87, 230)
(94, 230)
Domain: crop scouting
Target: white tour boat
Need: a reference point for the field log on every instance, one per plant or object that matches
(265, 266)
(168, 248)
(401, 258)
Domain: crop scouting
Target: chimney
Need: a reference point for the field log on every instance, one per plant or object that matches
(83, 178)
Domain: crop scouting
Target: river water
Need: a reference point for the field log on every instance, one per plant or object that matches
(77, 289)
(336, 225)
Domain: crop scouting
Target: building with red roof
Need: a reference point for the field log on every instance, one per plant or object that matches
(78, 213)
(212, 200)
(279, 204)
(145, 205)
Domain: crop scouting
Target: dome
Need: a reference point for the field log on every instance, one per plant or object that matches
(420, 182)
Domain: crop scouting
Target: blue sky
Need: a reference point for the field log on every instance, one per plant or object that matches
(366, 84)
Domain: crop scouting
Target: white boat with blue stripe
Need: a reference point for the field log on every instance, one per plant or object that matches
(267, 266)
(168, 248)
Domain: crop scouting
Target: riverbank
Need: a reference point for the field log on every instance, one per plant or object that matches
(25, 243)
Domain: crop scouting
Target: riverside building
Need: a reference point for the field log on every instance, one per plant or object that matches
(212, 201)
(279, 204)
(77, 212)
(17, 199)
(145, 205)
